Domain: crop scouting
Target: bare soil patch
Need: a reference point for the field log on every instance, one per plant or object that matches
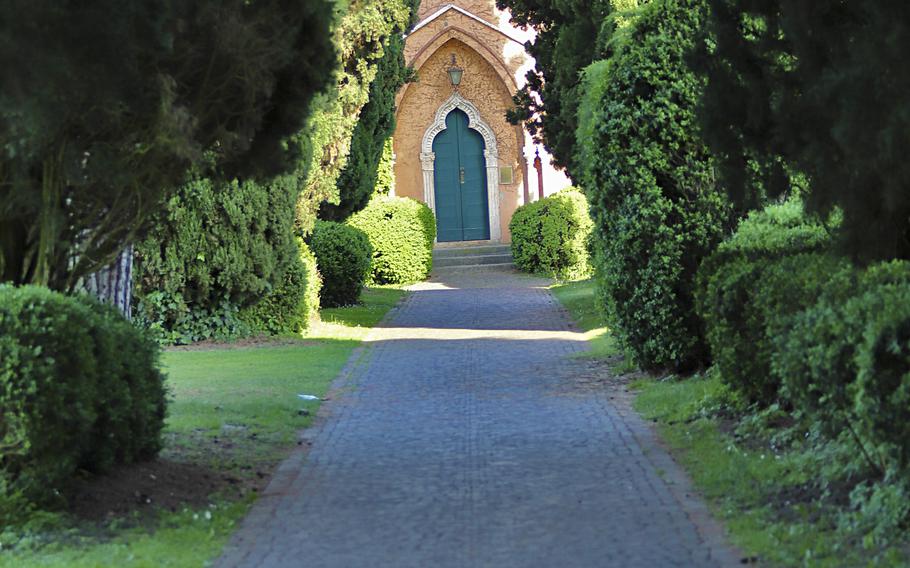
(144, 489)
(245, 343)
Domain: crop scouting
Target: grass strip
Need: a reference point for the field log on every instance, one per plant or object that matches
(766, 497)
(579, 299)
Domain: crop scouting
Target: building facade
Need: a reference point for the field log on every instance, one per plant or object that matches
(454, 149)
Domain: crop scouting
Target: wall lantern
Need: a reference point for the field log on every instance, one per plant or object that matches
(455, 73)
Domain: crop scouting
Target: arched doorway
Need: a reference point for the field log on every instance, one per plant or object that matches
(460, 180)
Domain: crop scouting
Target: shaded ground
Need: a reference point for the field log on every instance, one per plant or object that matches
(147, 488)
(245, 343)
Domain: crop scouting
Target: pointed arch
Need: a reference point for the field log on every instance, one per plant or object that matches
(475, 122)
(491, 155)
(466, 37)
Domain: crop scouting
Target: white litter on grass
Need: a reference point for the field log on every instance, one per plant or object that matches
(308, 397)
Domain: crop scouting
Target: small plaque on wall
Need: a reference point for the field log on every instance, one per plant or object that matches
(505, 175)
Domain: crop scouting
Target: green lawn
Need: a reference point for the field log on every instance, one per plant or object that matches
(767, 497)
(234, 411)
(354, 321)
(763, 495)
(579, 299)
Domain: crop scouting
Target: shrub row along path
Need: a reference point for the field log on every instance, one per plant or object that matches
(460, 438)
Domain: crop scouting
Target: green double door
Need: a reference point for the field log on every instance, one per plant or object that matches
(461, 182)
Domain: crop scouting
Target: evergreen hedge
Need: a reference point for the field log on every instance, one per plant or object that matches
(790, 322)
(846, 364)
(650, 181)
(551, 235)
(80, 388)
(293, 303)
(218, 250)
(343, 254)
(402, 232)
(773, 267)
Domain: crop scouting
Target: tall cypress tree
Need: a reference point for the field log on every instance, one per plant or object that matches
(362, 35)
(357, 180)
(118, 99)
(820, 88)
(570, 35)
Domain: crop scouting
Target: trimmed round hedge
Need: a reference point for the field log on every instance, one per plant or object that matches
(402, 232)
(294, 303)
(80, 388)
(550, 235)
(343, 254)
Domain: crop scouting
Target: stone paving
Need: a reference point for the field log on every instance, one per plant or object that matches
(457, 437)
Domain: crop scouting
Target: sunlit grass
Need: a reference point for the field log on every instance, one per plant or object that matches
(579, 299)
(353, 322)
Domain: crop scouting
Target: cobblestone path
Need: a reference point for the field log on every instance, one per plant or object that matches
(460, 439)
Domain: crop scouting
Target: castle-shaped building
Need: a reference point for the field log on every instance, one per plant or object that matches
(454, 149)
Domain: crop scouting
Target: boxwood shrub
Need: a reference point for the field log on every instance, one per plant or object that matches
(343, 255)
(550, 235)
(294, 303)
(79, 388)
(773, 267)
(402, 232)
(846, 364)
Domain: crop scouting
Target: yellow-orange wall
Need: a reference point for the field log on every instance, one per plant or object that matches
(487, 83)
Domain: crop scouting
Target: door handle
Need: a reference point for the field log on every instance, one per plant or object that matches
(461, 175)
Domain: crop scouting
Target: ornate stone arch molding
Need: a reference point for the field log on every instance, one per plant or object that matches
(491, 154)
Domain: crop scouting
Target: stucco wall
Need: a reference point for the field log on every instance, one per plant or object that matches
(484, 88)
(480, 8)
(491, 61)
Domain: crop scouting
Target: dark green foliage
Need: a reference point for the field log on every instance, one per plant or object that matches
(772, 268)
(568, 39)
(846, 364)
(293, 303)
(219, 247)
(79, 388)
(791, 323)
(358, 180)
(130, 396)
(363, 33)
(820, 88)
(402, 232)
(657, 211)
(117, 100)
(550, 235)
(343, 254)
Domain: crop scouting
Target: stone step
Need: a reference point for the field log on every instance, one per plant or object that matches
(468, 260)
(506, 266)
(477, 250)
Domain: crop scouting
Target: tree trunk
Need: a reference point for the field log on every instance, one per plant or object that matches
(114, 284)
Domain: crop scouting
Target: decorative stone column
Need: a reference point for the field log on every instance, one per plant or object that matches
(493, 194)
(427, 163)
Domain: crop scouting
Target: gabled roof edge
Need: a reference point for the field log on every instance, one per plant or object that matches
(448, 7)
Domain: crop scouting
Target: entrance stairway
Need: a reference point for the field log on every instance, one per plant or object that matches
(465, 257)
